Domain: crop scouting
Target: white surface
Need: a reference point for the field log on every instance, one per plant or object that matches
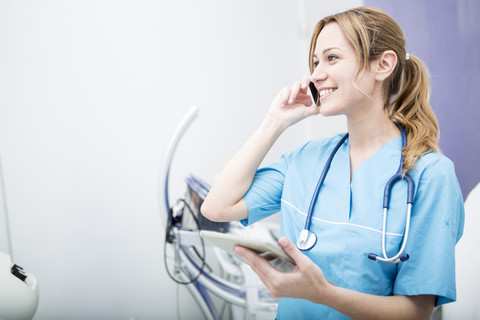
(467, 264)
(5, 245)
(90, 93)
(18, 299)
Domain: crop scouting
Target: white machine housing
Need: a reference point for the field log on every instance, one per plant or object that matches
(18, 298)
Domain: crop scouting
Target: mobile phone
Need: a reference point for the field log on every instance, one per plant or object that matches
(314, 92)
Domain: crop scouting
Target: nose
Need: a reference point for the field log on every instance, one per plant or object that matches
(318, 75)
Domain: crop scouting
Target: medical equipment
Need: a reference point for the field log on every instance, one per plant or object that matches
(18, 289)
(221, 283)
(307, 239)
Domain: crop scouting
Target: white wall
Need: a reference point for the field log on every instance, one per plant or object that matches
(90, 92)
(5, 245)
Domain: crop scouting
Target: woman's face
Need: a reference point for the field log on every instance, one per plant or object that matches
(336, 66)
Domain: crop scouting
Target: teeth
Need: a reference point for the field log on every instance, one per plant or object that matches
(325, 91)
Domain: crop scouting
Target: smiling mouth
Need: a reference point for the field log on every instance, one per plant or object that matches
(326, 92)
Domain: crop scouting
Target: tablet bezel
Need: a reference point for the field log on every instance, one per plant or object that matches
(227, 241)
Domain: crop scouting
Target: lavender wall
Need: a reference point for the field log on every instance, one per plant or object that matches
(445, 34)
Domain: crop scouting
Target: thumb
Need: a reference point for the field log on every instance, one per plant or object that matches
(291, 249)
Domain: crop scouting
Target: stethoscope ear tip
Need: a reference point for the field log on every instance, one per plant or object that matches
(404, 257)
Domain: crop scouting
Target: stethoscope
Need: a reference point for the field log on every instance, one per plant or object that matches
(307, 239)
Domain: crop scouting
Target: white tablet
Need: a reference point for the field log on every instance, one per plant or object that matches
(268, 250)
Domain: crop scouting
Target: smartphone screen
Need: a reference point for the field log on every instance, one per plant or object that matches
(314, 93)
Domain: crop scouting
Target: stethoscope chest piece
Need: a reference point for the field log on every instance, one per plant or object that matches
(306, 240)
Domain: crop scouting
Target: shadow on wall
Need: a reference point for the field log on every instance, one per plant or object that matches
(445, 34)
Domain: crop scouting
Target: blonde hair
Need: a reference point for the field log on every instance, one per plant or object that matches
(371, 32)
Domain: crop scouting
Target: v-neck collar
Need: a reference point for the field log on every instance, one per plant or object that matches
(394, 143)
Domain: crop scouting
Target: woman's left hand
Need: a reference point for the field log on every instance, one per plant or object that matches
(305, 281)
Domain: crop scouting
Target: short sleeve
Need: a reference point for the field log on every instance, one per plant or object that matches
(264, 196)
(436, 226)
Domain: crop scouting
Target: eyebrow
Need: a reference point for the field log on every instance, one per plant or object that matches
(327, 50)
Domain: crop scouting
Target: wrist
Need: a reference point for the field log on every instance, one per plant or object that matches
(328, 293)
(272, 127)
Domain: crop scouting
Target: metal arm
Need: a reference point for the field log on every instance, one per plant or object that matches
(164, 201)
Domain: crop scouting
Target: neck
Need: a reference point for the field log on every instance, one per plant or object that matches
(368, 134)
(371, 130)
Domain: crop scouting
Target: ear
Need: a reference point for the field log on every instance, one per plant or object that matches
(385, 65)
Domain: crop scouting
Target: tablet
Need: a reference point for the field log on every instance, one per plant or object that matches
(268, 250)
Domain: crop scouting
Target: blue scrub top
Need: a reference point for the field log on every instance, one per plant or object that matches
(348, 218)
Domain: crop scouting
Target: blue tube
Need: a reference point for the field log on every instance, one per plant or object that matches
(206, 298)
(320, 181)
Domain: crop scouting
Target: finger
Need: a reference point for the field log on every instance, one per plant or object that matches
(291, 249)
(295, 89)
(254, 261)
(303, 96)
(304, 85)
(313, 109)
(259, 265)
(284, 96)
(251, 257)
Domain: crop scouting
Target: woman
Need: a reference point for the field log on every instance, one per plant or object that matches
(360, 69)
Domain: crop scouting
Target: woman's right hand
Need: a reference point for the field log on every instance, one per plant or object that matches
(225, 199)
(292, 105)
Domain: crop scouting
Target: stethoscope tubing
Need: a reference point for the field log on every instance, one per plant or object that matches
(320, 181)
(399, 256)
(398, 176)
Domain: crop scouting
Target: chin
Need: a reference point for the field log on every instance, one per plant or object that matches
(327, 112)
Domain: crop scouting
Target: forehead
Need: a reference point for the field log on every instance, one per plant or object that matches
(331, 36)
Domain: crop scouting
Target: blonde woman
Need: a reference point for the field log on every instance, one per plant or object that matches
(360, 69)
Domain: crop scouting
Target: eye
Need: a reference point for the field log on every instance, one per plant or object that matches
(315, 64)
(331, 58)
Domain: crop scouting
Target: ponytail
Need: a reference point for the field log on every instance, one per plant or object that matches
(410, 108)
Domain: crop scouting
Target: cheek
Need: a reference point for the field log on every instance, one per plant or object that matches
(359, 88)
(349, 90)
(366, 83)
(346, 80)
